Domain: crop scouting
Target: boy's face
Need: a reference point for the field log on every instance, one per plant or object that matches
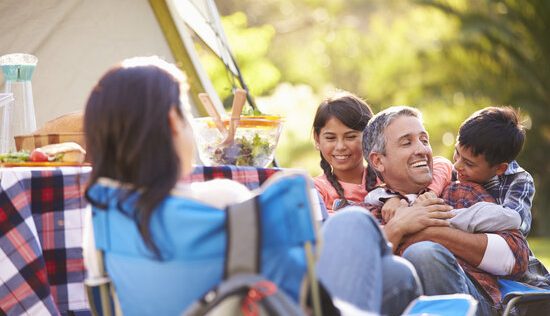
(474, 168)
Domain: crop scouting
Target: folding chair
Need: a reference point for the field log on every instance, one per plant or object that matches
(515, 293)
(192, 238)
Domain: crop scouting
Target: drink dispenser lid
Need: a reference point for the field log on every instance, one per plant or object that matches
(18, 67)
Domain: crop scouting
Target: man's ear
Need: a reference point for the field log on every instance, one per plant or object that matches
(375, 160)
(501, 168)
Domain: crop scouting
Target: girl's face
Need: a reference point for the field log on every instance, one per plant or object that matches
(341, 147)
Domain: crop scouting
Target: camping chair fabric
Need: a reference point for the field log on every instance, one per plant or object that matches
(191, 239)
(516, 293)
(447, 305)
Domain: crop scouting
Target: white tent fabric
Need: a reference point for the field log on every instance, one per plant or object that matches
(76, 42)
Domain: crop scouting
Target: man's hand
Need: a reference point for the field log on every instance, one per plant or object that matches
(425, 196)
(389, 208)
(425, 213)
(411, 219)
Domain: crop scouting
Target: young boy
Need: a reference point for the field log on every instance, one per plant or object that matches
(487, 145)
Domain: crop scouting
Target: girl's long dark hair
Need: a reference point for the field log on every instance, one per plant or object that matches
(353, 112)
(128, 137)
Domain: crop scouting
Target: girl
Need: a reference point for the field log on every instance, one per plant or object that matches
(141, 143)
(338, 132)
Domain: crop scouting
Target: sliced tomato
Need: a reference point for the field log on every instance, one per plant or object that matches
(38, 156)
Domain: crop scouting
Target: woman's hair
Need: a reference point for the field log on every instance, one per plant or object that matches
(353, 112)
(128, 136)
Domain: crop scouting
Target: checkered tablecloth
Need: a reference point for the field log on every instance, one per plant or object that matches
(251, 177)
(41, 216)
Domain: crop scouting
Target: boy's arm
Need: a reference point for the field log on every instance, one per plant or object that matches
(442, 173)
(485, 217)
(519, 198)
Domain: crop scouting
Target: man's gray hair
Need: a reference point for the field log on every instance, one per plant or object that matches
(374, 139)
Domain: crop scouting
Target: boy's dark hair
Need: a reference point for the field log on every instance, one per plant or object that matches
(494, 132)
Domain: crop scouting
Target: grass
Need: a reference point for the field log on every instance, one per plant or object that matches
(541, 247)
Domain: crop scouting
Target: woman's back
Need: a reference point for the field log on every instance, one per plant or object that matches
(191, 239)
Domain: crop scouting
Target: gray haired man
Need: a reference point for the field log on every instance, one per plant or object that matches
(448, 260)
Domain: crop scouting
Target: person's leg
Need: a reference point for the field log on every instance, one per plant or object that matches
(440, 273)
(351, 261)
(400, 285)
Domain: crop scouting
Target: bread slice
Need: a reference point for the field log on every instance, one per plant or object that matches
(65, 152)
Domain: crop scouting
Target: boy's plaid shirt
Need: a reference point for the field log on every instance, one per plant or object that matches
(515, 190)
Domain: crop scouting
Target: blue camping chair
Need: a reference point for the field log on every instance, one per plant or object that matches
(191, 237)
(515, 293)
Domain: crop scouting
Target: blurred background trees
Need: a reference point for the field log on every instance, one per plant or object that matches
(448, 58)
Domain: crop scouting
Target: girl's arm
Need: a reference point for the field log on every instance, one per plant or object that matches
(442, 172)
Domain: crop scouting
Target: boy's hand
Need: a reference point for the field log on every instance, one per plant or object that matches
(424, 196)
(388, 210)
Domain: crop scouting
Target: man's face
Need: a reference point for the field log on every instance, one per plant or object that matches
(474, 168)
(407, 165)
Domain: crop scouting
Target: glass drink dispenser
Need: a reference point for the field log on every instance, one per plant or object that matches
(18, 118)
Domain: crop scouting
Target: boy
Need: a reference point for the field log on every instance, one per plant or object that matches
(487, 145)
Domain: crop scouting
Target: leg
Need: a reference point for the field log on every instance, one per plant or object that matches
(400, 285)
(440, 273)
(351, 261)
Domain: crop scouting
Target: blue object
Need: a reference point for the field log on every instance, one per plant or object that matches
(18, 72)
(516, 293)
(443, 305)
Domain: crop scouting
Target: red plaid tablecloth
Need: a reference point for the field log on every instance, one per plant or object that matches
(251, 177)
(41, 216)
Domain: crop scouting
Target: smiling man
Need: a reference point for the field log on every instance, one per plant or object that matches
(447, 260)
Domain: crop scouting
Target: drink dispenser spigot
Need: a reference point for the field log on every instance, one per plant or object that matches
(19, 118)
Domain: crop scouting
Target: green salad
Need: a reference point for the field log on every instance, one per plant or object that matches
(17, 156)
(243, 152)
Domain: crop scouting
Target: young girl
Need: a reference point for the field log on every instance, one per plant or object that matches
(141, 143)
(338, 132)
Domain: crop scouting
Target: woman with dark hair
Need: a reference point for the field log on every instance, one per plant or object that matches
(140, 143)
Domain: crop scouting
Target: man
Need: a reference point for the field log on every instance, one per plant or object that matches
(447, 260)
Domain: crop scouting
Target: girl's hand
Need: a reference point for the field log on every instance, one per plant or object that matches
(388, 209)
(424, 196)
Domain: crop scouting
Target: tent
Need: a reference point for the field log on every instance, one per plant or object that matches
(77, 41)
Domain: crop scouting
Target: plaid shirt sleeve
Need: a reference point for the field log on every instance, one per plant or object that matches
(519, 197)
(520, 250)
